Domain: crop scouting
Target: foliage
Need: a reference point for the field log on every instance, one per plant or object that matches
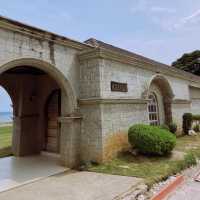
(187, 122)
(196, 117)
(5, 141)
(5, 136)
(190, 120)
(164, 126)
(151, 140)
(115, 143)
(189, 62)
(196, 128)
(173, 127)
(152, 168)
(190, 160)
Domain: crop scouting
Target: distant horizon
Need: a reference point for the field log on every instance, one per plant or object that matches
(5, 111)
(6, 117)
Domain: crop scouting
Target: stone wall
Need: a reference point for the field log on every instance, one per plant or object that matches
(119, 117)
(57, 57)
(90, 79)
(180, 88)
(116, 119)
(91, 133)
(138, 80)
(195, 100)
(105, 113)
(178, 109)
(15, 46)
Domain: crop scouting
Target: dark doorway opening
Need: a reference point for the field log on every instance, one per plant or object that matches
(53, 111)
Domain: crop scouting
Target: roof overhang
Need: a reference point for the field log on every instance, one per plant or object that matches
(147, 64)
(38, 33)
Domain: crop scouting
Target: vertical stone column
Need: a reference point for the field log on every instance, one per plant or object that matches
(70, 141)
(168, 110)
(16, 136)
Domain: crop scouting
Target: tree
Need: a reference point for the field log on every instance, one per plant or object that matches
(189, 62)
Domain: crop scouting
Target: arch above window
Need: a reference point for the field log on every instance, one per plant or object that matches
(153, 110)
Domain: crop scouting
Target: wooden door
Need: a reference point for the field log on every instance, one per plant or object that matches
(53, 128)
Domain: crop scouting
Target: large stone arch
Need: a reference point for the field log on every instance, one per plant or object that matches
(48, 68)
(69, 119)
(161, 87)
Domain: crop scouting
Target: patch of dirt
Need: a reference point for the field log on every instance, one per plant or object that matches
(177, 155)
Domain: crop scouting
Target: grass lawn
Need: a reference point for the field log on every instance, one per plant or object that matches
(5, 141)
(153, 169)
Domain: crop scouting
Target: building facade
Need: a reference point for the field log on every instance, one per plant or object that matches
(73, 98)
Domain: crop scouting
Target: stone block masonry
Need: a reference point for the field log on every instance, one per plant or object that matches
(91, 114)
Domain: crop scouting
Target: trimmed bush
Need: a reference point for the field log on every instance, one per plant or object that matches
(172, 127)
(187, 122)
(196, 117)
(196, 128)
(164, 126)
(151, 140)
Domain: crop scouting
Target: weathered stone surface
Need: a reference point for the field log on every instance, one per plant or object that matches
(84, 74)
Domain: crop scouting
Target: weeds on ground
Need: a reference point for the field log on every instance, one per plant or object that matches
(153, 169)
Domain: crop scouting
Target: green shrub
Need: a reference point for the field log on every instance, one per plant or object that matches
(187, 122)
(151, 140)
(172, 127)
(164, 126)
(196, 117)
(196, 128)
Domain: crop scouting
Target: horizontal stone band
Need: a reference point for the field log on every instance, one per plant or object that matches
(111, 101)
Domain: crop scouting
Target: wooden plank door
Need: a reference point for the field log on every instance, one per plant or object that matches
(53, 129)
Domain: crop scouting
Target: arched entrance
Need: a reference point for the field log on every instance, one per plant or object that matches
(160, 96)
(31, 84)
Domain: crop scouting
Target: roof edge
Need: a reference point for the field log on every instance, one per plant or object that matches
(10, 24)
(147, 64)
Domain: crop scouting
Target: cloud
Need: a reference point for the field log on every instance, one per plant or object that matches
(139, 6)
(157, 9)
(147, 7)
(193, 18)
(188, 22)
(167, 17)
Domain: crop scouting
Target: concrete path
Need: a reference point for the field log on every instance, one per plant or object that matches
(73, 186)
(16, 171)
(190, 190)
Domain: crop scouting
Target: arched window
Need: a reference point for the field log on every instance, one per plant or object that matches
(153, 110)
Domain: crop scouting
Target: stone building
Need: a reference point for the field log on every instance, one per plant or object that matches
(70, 97)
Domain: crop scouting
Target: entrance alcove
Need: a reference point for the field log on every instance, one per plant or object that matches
(44, 111)
(30, 89)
